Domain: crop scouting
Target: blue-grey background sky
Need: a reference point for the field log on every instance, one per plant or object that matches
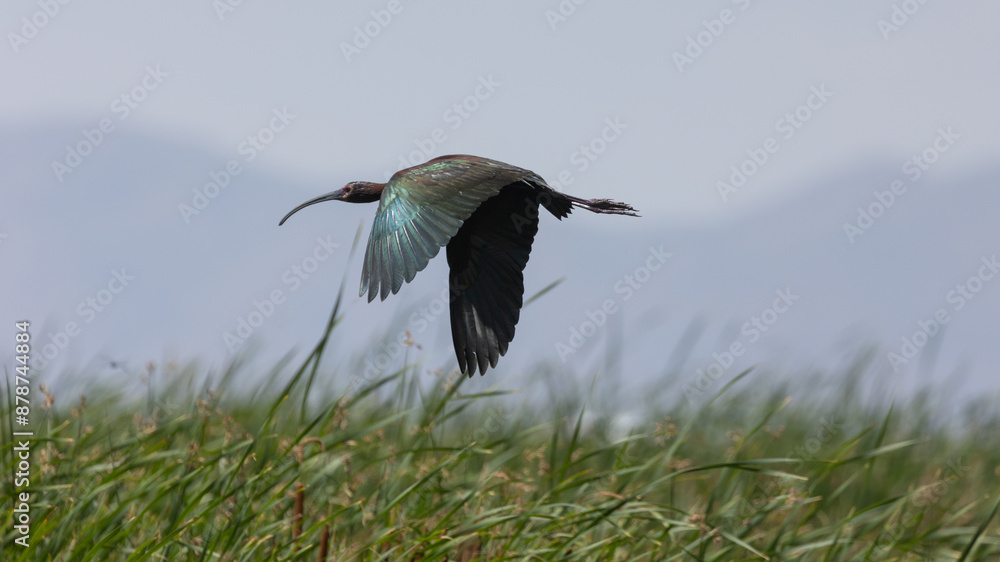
(350, 91)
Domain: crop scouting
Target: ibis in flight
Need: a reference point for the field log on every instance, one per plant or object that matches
(486, 213)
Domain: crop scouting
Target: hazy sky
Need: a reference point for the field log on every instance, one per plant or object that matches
(368, 87)
(711, 117)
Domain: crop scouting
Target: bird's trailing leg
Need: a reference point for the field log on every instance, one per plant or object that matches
(561, 204)
(603, 206)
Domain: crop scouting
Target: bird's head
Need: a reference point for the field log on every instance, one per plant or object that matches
(353, 192)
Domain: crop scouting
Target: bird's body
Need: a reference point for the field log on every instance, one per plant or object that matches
(486, 213)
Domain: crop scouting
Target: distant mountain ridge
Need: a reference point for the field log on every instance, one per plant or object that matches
(197, 278)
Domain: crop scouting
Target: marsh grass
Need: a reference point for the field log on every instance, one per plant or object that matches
(410, 467)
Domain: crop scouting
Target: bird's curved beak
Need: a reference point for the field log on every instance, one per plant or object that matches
(332, 196)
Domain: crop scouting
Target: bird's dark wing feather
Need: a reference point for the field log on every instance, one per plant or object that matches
(486, 260)
(421, 209)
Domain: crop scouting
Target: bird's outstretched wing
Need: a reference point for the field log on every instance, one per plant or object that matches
(421, 209)
(486, 259)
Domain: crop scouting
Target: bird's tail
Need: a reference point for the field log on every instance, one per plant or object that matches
(604, 206)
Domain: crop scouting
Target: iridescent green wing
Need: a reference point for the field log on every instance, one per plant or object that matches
(420, 211)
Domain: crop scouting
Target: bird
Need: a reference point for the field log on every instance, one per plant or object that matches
(485, 212)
